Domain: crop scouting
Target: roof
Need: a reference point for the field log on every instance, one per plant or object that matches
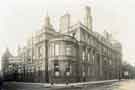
(7, 54)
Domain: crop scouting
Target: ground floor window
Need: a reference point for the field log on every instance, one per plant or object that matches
(57, 73)
(56, 68)
(68, 69)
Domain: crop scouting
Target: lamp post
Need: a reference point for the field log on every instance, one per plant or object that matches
(126, 74)
(57, 73)
(83, 76)
(67, 74)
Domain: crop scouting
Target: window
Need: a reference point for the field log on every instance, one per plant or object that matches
(93, 56)
(88, 56)
(110, 62)
(91, 40)
(40, 38)
(56, 65)
(69, 51)
(83, 74)
(73, 51)
(68, 69)
(57, 73)
(105, 61)
(62, 49)
(52, 49)
(10, 66)
(82, 36)
(39, 51)
(56, 68)
(43, 51)
(83, 55)
(87, 38)
(93, 59)
(88, 71)
(56, 49)
(39, 73)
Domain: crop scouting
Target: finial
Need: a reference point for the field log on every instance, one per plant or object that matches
(66, 12)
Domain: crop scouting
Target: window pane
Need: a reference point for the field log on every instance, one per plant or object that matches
(56, 49)
(56, 65)
(39, 51)
(68, 51)
(56, 68)
(83, 55)
(62, 50)
(73, 51)
(57, 73)
(52, 49)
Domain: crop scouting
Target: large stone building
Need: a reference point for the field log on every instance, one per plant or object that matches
(74, 54)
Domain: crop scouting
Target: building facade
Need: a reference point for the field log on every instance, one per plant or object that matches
(12, 66)
(74, 54)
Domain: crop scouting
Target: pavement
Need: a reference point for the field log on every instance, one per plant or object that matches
(48, 85)
(94, 85)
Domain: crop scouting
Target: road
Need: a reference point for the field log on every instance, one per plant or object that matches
(122, 85)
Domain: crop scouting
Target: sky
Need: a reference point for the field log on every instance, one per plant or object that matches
(19, 18)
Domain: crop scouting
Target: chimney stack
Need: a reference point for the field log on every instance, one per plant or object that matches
(47, 21)
(64, 23)
(88, 18)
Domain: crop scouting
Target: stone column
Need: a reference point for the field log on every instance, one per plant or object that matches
(46, 61)
(91, 61)
(97, 70)
(101, 65)
(78, 68)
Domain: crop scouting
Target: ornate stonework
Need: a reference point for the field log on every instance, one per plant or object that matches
(75, 54)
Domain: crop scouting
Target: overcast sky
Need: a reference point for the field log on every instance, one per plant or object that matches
(18, 18)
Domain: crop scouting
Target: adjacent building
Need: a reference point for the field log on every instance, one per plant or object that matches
(74, 54)
(12, 66)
